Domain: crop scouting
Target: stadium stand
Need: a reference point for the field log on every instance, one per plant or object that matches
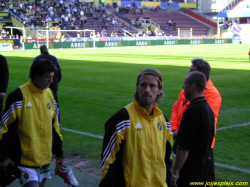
(161, 18)
(232, 5)
(66, 15)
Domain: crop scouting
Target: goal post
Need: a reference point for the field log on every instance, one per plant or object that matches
(185, 33)
(66, 38)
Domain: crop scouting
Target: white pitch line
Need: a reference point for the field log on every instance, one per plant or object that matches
(232, 167)
(226, 166)
(216, 164)
(229, 127)
(82, 133)
(100, 137)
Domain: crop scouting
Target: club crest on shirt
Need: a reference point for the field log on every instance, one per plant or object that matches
(49, 106)
(26, 176)
(159, 126)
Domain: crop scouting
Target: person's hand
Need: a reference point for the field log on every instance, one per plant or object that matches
(174, 178)
(60, 162)
(4, 165)
(175, 133)
(2, 94)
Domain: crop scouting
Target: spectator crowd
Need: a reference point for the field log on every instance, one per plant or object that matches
(75, 15)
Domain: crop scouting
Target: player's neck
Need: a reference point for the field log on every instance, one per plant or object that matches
(193, 97)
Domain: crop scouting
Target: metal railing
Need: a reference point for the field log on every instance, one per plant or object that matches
(145, 21)
(156, 24)
(20, 20)
(149, 21)
(126, 33)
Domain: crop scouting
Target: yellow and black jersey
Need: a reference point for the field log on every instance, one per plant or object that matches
(29, 127)
(137, 149)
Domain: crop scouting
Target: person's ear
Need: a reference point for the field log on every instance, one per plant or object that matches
(159, 92)
(193, 85)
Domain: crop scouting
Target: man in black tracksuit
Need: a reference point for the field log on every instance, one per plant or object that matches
(4, 80)
(58, 75)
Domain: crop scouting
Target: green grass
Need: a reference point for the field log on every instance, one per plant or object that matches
(98, 82)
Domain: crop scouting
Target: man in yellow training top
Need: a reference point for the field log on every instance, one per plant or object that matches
(138, 140)
(29, 127)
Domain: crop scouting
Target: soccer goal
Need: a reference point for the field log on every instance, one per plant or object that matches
(185, 33)
(66, 38)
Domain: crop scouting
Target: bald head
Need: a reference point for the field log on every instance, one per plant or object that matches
(194, 85)
(198, 79)
(43, 48)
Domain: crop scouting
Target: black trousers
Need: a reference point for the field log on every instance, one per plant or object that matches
(211, 173)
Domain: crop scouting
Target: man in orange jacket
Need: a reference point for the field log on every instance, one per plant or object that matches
(213, 98)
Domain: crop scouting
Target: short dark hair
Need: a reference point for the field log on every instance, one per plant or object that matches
(158, 76)
(203, 66)
(41, 66)
(198, 79)
(43, 48)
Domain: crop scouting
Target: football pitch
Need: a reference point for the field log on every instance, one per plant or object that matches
(96, 83)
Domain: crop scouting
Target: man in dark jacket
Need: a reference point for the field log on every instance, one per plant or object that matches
(4, 80)
(58, 75)
(195, 136)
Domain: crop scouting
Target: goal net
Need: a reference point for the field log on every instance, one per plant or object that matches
(184, 34)
(65, 38)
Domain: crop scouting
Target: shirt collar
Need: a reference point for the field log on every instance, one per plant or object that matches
(45, 52)
(198, 99)
(35, 89)
(156, 112)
